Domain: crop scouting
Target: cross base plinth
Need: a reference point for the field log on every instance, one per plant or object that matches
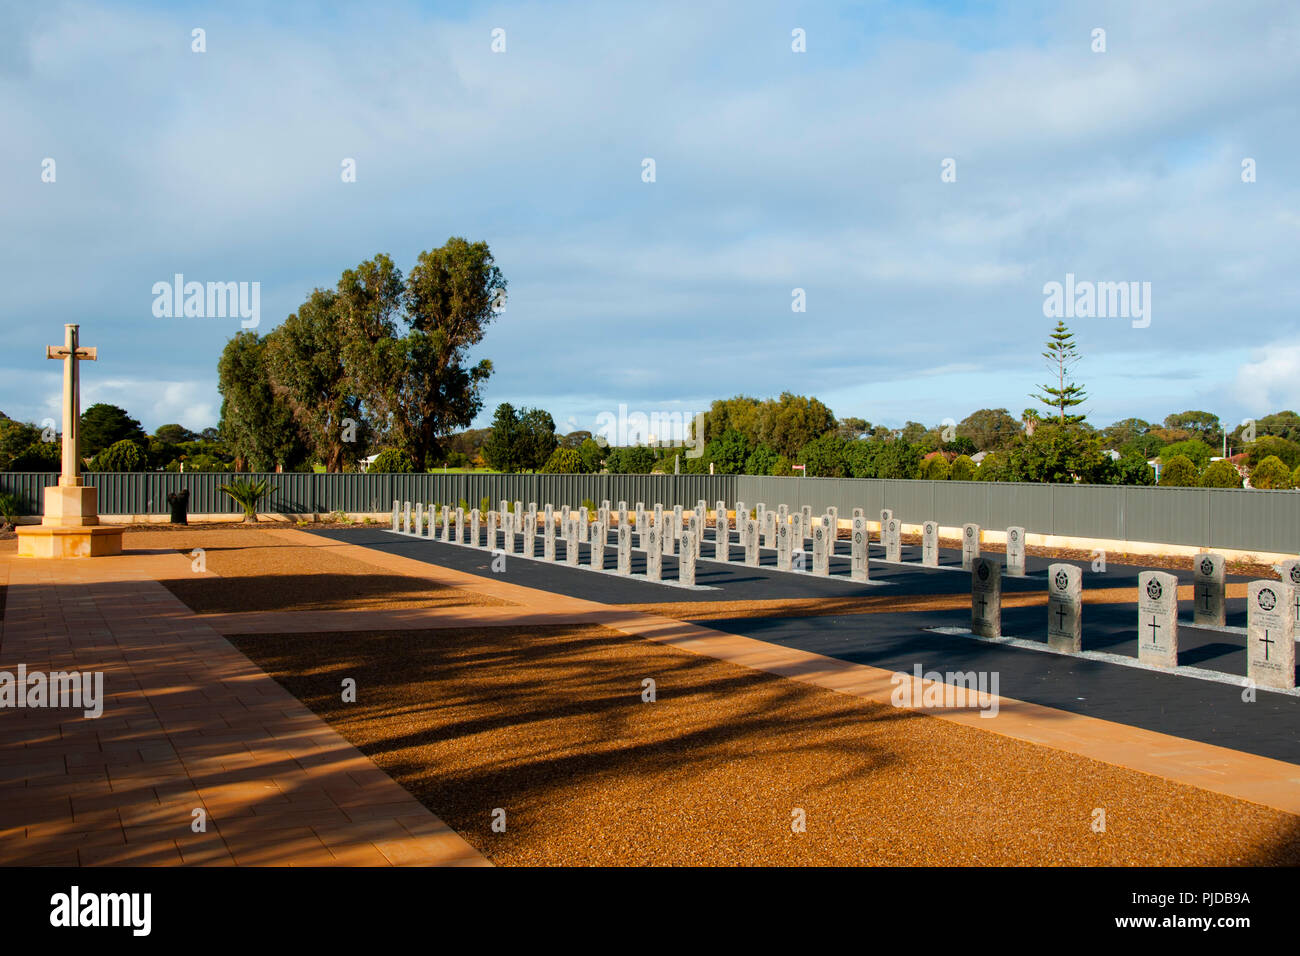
(53, 541)
(70, 506)
(70, 527)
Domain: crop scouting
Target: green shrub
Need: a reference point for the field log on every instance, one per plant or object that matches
(992, 468)
(563, 461)
(392, 461)
(1196, 450)
(936, 469)
(1179, 472)
(781, 467)
(1269, 446)
(1220, 474)
(590, 506)
(247, 494)
(9, 508)
(963, 469)
(39, 456)
(484, 505)
(124, 455)
(760, 461)
(1271, 473)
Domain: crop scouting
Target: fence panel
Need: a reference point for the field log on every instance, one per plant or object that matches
(1210, 517)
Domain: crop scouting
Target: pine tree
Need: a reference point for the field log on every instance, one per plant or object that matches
(1062, 355)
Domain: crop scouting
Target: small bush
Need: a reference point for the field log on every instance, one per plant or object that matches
(391, 461)
(963, 469)
(1271, 474)
(563, 461)
(124, 455)
(9, 508)
(1220, 474)
(39, 456)
(936, 469)
(1179, 472)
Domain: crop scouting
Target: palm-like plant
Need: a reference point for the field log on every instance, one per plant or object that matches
(247, 494)
(9, 506)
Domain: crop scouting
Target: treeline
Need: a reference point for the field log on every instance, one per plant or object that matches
(111, 440)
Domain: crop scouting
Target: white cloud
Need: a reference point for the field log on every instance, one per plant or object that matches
(1272, 381)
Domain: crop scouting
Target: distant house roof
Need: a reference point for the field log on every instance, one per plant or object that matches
(979, 456)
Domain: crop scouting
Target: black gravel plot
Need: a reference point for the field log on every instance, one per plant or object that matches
(1187, 707)
(1182, 706)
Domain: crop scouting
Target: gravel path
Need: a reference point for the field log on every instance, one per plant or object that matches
(549, 725)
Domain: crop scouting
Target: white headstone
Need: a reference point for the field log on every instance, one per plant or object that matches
(508, 529)
(1208, 589)
(419, 519)
(741, 514)
(770, 518)
(930, 544)
(406, 517)
(834, 514)
(1290, 574)
(571, 549)
(491, 542)
(820, 564)
(751, 542)
(654, 561)
(1270, 634)
(598, 546)
(893, 541)
(970, 545)
(460, 525)
(397, 508)
(784, 545)
(686, 560)
(474, 527)
(885, 515)
(624, 549)
(1016, 552)
(721, 534)
(829, 522)
(1158, 619)
(985, 598)
(1065, 608)
(446, 523)
(548, 537)
(859, 567)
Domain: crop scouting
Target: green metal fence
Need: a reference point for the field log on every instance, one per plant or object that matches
(1208, 517)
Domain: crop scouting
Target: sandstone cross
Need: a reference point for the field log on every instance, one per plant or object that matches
(71, 354)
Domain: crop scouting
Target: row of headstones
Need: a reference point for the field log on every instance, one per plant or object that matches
(1272, 613)
(781, 530)
(575, 526)
(668, 534)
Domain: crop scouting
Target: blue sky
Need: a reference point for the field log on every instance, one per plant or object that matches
(775, 170)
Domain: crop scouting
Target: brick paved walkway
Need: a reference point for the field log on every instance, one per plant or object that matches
(188, 723)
